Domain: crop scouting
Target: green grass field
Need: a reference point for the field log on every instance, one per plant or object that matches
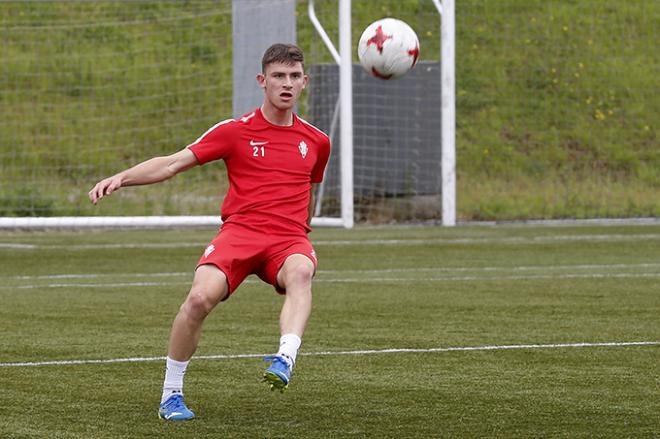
(111, 295)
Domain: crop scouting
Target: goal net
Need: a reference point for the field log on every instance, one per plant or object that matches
(396, 124)
(91, 88)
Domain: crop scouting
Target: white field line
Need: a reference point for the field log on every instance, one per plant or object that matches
(337, 353)
(359, 271)
(101, 275)
(13, 246)
(489, 278)
(363, 242)
(501, 268)
(146, 245)
(495, 240)
(101, 285)
(354, 280)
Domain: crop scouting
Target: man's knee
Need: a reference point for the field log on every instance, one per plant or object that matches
(198, 304)
(298, 271)
(208, 289)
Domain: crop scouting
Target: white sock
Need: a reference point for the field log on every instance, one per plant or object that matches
(174, 372)
(289, 345)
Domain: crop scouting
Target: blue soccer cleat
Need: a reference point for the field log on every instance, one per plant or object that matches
(174, 409)
(278, 373)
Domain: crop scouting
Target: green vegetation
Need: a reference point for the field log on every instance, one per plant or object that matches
(556, 110)
(115, 293)
(91, 88)
(556, 101)
(555, 118)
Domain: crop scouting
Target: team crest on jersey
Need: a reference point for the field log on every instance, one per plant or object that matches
(302, 146)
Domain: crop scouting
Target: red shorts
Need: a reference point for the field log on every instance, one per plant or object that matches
(239, 251)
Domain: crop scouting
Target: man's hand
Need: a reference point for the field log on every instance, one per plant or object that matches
(104, 188)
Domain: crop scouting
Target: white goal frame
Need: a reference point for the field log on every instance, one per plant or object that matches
(344, 58)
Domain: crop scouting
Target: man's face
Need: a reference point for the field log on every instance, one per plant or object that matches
(283, 84)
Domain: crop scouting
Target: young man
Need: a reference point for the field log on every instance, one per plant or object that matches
(273, 159)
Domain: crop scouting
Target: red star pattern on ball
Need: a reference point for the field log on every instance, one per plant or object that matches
(379, 39)
(415, 54)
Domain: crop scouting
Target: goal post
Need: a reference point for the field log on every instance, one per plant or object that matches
(448, 62)
(346, 108)
(394, 160)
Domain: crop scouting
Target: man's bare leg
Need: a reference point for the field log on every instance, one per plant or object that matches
(296, 277)
(208, 289)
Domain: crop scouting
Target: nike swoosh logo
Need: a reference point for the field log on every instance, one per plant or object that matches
(172, 415)
(253, 143)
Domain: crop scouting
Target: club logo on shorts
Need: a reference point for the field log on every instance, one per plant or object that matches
(302, 146)
(209, 250)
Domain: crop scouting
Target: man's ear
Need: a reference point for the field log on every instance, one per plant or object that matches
(261, 80)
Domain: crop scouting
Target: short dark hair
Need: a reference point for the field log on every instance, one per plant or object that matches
(282, 53)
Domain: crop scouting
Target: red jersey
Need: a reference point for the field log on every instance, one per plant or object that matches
(271, 168)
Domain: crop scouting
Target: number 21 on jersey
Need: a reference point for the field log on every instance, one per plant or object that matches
(258, 151)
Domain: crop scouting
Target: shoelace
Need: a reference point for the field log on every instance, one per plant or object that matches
(280, 363)
(276, 359)
(174, 403)
(288, 360)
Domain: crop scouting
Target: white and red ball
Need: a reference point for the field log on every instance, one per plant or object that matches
(388, 48)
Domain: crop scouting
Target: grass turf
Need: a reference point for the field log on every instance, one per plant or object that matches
(113, 294)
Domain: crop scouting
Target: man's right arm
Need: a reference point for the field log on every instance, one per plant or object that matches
(151, 171)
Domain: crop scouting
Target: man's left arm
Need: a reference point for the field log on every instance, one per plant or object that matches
(317, 175)
(312, 204)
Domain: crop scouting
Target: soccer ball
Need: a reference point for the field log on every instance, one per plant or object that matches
(388, 48)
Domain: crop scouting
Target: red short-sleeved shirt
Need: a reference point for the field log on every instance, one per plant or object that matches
(270, 167)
